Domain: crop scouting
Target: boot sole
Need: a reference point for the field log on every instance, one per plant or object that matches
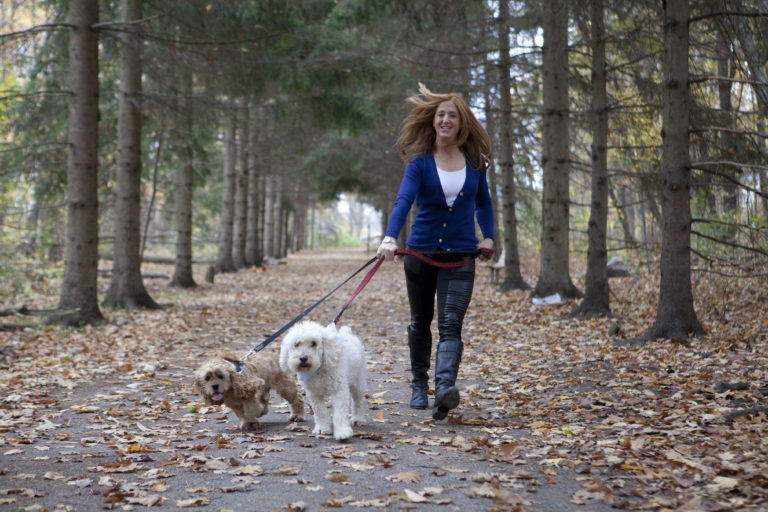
(445, 402)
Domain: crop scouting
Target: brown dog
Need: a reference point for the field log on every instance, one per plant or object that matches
(247, 393)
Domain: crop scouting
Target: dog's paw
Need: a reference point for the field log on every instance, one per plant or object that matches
(250, 426)
(343, 433)
(322, 429)
(358, 420)
(296, 417)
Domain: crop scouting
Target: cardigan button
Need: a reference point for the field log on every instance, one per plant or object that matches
(445, 225)
(450, 209)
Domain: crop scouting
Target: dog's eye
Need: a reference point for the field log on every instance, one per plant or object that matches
(314, 343)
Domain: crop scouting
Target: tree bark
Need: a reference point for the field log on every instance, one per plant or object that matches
(182, 271)
(253, 253)
(224, 261)
(513, 278)
(240, 229)
(596, 290)
(78, 301)
(269, 216)
(554, 275)
(675, 317)
(126, 287)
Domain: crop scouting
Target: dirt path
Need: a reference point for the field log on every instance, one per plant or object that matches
(106, 417)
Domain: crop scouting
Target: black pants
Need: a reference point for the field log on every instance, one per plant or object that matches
(453, 287)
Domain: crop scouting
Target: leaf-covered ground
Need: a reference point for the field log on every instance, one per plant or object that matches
(553, 415)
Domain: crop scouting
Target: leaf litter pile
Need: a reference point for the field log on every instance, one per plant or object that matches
(553, 415)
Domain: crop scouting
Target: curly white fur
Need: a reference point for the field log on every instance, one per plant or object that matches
(330, 365)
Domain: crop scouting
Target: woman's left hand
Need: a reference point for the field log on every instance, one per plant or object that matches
(486, 243)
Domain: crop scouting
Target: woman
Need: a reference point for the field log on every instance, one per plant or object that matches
(447, 153)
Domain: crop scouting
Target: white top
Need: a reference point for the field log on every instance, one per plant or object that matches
(452, 182)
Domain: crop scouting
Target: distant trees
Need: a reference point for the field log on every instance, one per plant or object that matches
(318, 88)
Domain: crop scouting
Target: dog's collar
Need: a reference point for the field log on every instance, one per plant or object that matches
(303, 377)
(238, 366)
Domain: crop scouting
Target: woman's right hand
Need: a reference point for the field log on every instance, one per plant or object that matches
(387, 249)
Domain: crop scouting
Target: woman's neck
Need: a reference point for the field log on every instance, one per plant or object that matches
(447, 150)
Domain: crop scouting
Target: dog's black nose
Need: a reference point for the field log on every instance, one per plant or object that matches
(303, 359)
(215, 387)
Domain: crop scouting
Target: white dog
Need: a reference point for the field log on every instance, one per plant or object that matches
(330, 364)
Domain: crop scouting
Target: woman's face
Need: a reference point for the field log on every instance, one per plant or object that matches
(446, 122)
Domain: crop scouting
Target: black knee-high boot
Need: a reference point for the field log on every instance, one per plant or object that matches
(453, 301)
(421, 350)
(447, 362)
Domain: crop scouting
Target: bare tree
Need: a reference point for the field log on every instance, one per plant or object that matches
(253, 249)
(224, 261)
(596, 297)
(675, 317)
(78, 301)
(126, 288)
(513, 278)
(182, 272)
(240, 227)
(554, 274)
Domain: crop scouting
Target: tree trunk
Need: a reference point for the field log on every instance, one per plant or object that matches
(675, 317)
(554, 274)
(596, 291)
(253, 253)
(269, 216)
(78, 302)
(224, 261)
(513, 278)
(240, 228)
(182, 272)
(759, 78)
(126, 288)
(729, 141)
(490, 126)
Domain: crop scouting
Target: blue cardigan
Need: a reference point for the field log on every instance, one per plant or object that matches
(436, 226)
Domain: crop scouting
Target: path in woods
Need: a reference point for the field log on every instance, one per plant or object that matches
(111, 420)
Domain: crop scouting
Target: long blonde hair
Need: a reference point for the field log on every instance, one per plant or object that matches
(417, 135)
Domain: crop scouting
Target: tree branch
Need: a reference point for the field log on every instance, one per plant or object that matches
(731, 178)
(730, 244)
(48, 27)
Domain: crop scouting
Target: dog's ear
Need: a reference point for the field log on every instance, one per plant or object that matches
(246, 386)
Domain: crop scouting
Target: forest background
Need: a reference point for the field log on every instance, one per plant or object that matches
(223, 130)
(137, 136)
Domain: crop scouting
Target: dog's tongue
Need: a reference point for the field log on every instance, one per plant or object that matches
(217, 396)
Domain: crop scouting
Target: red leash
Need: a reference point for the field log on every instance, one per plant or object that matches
(369, 275)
